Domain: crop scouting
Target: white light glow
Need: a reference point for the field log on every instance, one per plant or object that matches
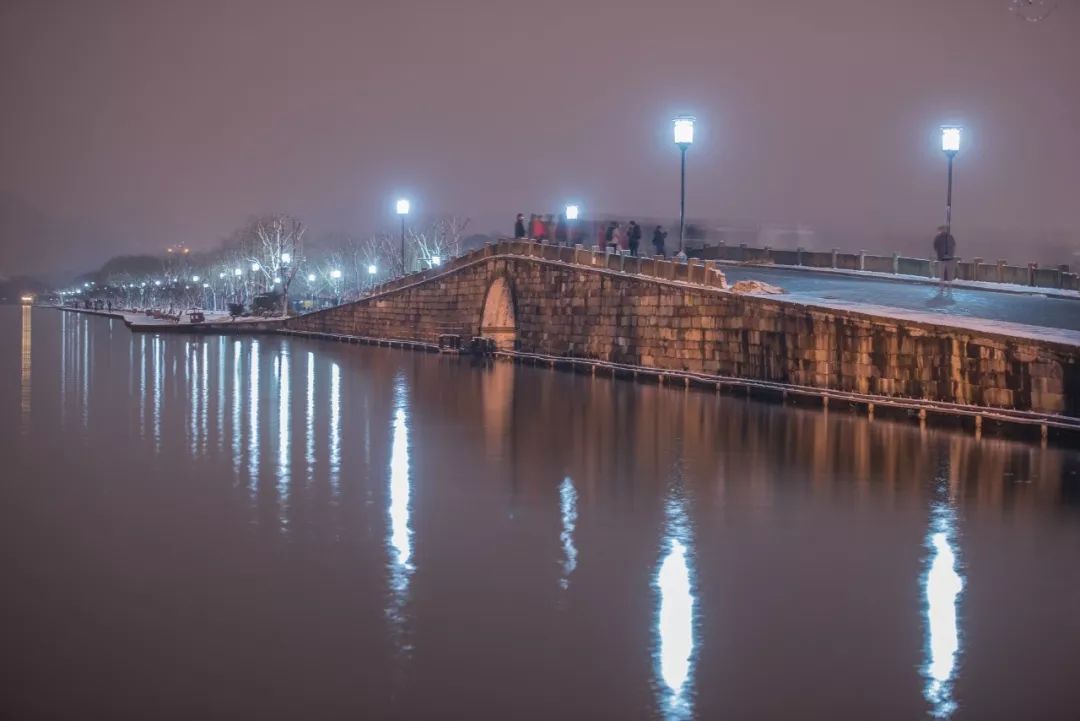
(254, 267)
(335, 426)
(335, 274)
(943, 584)
(403, 207)
(572, 212)
(277, 281)
(221, 275)
(684, 130)
(157, 282)
(237, 272)
(284, 428)
(194, 279)
(311, 278)
(674, 654)
(372, 270)
(286, 258)
(568, 512)
(400, 535)
(436, 260)
(950, 139)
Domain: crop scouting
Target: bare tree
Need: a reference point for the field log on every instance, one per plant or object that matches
(275, 249)
(438, 240)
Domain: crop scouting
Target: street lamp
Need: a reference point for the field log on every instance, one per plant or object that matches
(436, 260)
(403, 210)
(194, 279)
(335, 274)
(372, 270)
(310, 277)
(286, 258)
(950, 145)
(684, 138)
(237, 272)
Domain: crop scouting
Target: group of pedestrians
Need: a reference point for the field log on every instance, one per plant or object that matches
(615, 237)
(552, 228)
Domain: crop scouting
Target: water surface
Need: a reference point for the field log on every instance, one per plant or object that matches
(276, 528)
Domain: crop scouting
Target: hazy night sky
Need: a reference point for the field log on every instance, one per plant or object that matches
(128, 126)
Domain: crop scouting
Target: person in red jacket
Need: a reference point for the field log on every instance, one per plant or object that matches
(536, 227)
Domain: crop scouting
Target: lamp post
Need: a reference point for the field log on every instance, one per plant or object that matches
(572, 212)
(950, 145)
(684, 138)
(403, 210)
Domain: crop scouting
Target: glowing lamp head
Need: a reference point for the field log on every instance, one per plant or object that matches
(436, 260)
(237, 272)
(220, 275)
(403, 207)
(194, 279)
(277, 281)
(310, 277)
(372, 270)
(335, 274)
(205, 285)
(950, 139)
(254, 267)
(572, 212)
(157, 282)
(286, 258)
(684, 130)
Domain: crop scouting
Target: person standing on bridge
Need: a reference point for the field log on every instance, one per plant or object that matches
(536, 227)
(658, 237)
(945, 249)
(633, 237)
(519, 226)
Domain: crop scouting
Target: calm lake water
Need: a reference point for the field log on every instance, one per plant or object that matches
(274, 528)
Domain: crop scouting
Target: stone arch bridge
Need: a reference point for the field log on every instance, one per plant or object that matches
(655, 314)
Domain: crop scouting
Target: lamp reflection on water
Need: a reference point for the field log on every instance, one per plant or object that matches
(142, 385)
(335, 426)
(204, 378)
(942, 586)
(253, 414)
(399, 540)
(568, 511)
(400, 534)
(284, 423)
(309, 417)
(24, 370)
(159, 373)
(675, 638)
(237, 402)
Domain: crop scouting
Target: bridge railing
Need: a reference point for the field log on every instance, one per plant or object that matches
(696, 270)
(974, 269)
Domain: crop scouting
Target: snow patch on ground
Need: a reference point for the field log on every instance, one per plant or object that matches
(755, 286)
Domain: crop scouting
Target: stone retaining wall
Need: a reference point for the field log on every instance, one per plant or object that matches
(578, 309)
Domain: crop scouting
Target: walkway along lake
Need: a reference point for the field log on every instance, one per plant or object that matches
(275, 527)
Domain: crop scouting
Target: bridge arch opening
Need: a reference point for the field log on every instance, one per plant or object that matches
(498, 320)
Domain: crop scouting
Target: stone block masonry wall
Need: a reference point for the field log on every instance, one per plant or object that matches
(563, 308)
